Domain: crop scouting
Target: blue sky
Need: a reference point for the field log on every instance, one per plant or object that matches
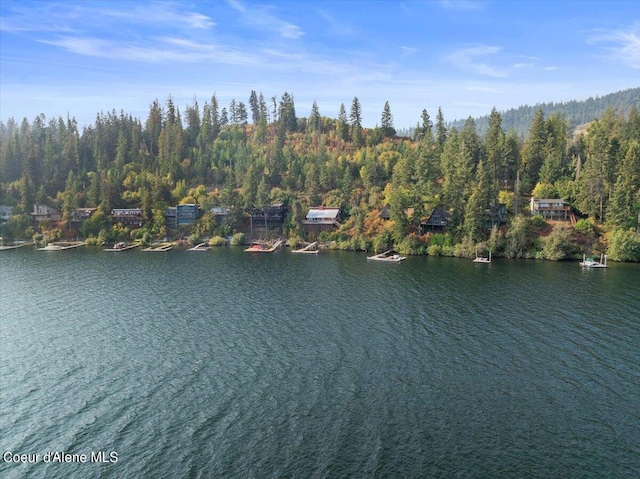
(80, 58)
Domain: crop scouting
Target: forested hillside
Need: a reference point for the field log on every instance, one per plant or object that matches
(246, 157)
(576, 113)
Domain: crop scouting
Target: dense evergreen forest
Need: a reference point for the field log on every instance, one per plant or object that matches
(245, 157)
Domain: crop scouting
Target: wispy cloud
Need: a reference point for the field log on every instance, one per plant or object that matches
(164, 48)
(68, 16)
(264, 18)
(160, 13)
(334, 25)
(467, 59)
(622, 45)
(407, 51)
(463, 5)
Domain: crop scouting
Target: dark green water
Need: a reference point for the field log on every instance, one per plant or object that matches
(227, 364)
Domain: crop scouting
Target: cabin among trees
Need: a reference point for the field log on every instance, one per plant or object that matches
(5, 213)
(322, 218)
(46, 214)
(271, 217)
(80, 215)
(127, 217)
(550, 209)
(436, 222)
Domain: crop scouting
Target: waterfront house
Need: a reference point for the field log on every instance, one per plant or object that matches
(187, 214)
(45, 213)
(322, 218)
(170, 217)
(80, 215)
(551, 209)
(437, 221)
(5, 213)
(273, 215)
(129, 217)
(220, 214)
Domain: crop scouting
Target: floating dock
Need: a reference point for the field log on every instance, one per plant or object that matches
(309, 249)
(14, 246)
(482, 259)
(592, 263)
(200, 247)
(388, 257)
(60, 246)
(262, 248)
(118, 247)
(158, 249)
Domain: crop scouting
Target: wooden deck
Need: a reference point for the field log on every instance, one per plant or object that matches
(388, 257)
(14, 246)
(262, 248)
(118, 248)
(61, 246)
(158, 249)
(309, 249)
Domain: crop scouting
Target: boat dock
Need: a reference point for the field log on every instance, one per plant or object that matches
(592, 263)
(264, 248)
(61, 246)
(14, 246)
(388, 256)
(121, 247)
(309, 249)
(482, 259)
(158, 249)
(200, 247)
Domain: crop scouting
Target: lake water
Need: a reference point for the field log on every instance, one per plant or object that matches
(226, 364)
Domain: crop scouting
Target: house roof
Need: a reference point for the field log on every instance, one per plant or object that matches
(322, 212)
(220, 211)
(438, 217)
(126, 211)
(44, 210)
(548, 200)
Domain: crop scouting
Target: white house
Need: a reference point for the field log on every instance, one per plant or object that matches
(322, 218)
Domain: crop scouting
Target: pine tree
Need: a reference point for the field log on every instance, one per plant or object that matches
(533, 151)
(387, 121)
(153, 128)
(494, 144)
(356, 122)
(262, 108)
(342, 127)
(287, 113)
(215, 118)
(441, 129)
(315, 120)
(474, 216)
(426, 133)
(624, 207)
(254, 106)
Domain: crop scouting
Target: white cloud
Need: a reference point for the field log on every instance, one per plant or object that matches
(335, 26)
(622, 45)
(463, 5)
(263, 18)
(467, 59)
(59, 16)
(407, 51)
(164, 49)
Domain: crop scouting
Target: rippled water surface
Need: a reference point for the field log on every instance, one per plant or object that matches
(235, 365)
